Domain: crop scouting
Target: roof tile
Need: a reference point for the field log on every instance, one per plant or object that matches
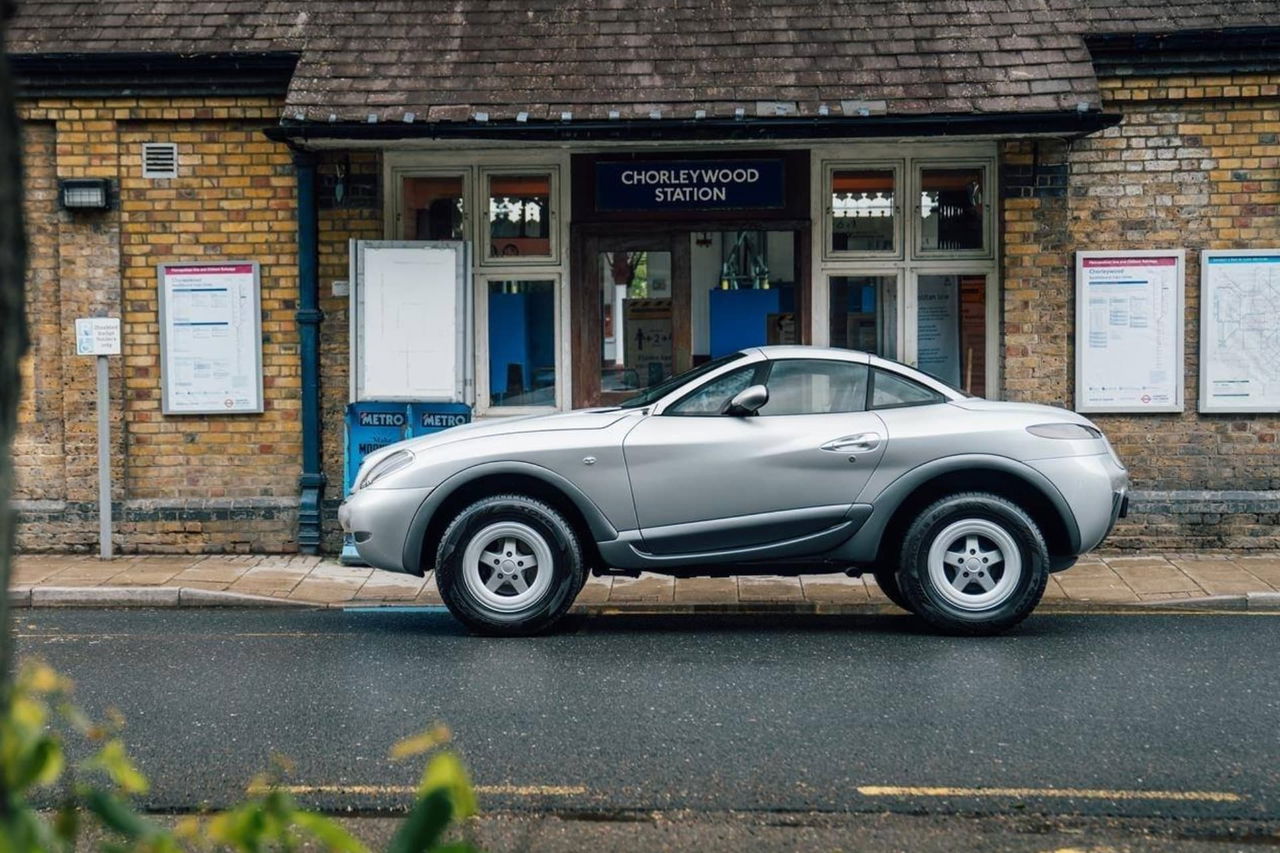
(446, 59)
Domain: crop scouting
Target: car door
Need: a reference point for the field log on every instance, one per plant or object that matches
(704, 481)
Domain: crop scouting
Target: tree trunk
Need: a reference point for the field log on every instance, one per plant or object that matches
(13, 334)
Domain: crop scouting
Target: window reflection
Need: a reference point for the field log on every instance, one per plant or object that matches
(522, 343)
(636, 317)
(862, 210)
(519, 216)
(951, 212)
(432, 208)
(863, 313)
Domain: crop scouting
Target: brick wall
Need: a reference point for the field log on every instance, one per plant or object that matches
(1195, 164)
(182, 483)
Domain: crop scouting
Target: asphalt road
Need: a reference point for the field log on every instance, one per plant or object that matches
(1171, 716)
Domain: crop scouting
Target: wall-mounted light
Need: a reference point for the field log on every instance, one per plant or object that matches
(84, 193)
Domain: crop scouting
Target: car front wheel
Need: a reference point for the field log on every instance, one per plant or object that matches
(509, 565)
(974, 564)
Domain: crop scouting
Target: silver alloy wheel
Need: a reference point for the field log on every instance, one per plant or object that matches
(974, 564)
(507, 566)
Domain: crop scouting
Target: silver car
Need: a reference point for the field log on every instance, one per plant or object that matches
(777, 460)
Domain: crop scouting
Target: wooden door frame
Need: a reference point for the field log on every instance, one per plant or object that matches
(587, 240)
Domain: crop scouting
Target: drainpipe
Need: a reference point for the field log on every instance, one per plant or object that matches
(309, 315)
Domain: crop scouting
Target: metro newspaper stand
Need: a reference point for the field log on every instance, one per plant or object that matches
(372, 426)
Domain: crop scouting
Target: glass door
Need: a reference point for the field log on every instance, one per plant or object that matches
(632, 298)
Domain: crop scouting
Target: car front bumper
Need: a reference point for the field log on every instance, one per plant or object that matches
(378, 520)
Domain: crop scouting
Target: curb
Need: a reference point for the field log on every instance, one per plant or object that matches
(1258, 602)
(172, 596)
(141, 596)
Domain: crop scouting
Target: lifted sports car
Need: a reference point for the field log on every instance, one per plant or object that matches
(778, 460)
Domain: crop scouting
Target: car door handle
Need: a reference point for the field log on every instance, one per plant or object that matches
(863, 442)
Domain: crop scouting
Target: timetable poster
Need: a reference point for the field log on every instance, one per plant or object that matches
(1129, 316)
(210, 338)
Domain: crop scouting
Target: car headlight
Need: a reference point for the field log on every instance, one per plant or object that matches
(1064, 430)
(391, 463)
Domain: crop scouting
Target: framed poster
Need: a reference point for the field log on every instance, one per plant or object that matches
(1240, 330)
(1129, 315)
(210, 338)
(410, 317)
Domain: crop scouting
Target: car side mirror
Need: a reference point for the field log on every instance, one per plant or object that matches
(748, 401)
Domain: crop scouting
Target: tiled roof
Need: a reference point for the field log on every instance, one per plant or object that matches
(448, 59)
(1160, 16)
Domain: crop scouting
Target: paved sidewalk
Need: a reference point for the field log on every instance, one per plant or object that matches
(1115, 579)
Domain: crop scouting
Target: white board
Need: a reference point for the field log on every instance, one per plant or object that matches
(409, 321)
(1129, 324)
(1240, 330)
(210, 338)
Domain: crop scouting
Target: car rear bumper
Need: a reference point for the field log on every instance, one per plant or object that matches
(1096, 490)
(378, 521)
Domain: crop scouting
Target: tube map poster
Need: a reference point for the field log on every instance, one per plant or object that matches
(1240, 331)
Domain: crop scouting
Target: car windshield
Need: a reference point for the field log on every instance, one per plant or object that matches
(665, 387)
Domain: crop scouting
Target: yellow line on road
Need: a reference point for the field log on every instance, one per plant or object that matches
(1057, 793)
(384, 790)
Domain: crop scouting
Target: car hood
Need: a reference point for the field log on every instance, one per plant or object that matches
(576, 420)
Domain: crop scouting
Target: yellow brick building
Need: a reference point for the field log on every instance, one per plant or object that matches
(920, 152)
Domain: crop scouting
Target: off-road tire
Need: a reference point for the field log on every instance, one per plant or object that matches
(567, 569)
(936, 606)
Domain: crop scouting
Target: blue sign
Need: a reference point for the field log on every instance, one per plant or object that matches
(372, 426)
(426, 418)
(690, 185)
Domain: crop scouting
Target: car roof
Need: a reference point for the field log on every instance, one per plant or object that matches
(778, 351)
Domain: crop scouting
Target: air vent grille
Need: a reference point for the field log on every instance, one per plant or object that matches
(159, 160)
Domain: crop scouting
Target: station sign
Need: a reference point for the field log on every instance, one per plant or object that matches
(658, 185)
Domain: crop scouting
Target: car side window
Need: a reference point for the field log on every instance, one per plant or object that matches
(815, 387)
(711, 398)
(892, 391)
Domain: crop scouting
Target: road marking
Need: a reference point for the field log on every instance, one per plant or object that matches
(1058, 793)
(385, 790)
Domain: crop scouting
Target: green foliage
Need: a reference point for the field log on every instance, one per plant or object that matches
(39, 718)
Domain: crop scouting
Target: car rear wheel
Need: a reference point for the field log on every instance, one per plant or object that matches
(509, 565)
(974, 564)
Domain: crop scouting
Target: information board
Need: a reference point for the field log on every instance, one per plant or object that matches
(410, 316)
(210, 338)
(1240, 330)
(1129, 315)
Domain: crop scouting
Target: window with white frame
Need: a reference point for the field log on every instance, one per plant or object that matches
(863, 212)
(519, 217)
(920, 288)
(432, 206)
(519, 364)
